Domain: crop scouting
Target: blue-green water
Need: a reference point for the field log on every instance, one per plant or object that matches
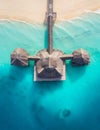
(73, 104)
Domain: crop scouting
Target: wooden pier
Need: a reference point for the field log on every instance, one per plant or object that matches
(51, 16)
(50, 63)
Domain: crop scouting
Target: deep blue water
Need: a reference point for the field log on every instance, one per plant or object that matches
(73, 104)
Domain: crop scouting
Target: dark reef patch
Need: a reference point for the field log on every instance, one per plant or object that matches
(66, 113)
(63, 113)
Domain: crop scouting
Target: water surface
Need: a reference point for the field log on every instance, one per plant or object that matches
(73, 104)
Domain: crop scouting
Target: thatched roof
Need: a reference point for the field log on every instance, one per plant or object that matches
(80, 57)
(49, 68)
(19, 57)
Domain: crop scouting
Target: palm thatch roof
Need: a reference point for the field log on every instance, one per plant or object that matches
(49, 68)
(80, 57)
(19, 57)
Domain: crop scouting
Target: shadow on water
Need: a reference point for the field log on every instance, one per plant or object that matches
(48, 121)
(60, 120)
(39, 111)
(75, 72)
(17, 73)
(48, 86)
(46, 38)
(9, 81)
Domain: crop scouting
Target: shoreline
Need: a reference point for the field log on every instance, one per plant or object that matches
(33, 11)
(30, 21)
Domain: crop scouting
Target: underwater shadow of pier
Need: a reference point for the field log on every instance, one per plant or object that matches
(40, 113)
(17, 73)
(75, 72)
(46, 38)
(13, 77)
(45, 86)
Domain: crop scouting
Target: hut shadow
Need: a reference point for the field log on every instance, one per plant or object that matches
(75, 72)
(17, 73)
(46, 86)
(9, 81)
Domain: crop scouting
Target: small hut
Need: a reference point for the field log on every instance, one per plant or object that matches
(49, 68)
(19, 57)
(80, 57)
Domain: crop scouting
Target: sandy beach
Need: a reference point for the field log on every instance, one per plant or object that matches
(34, 10)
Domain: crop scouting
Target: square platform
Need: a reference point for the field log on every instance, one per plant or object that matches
(36, 78)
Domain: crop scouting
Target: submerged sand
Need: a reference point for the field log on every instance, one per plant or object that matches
(34, 10)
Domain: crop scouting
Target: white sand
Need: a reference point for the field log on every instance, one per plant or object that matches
(34, 10)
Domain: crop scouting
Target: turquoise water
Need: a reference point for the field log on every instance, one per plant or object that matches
(73, 104)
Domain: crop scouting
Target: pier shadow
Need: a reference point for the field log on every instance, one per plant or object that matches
(59, 120)
(40, 112)
(14, 76)
(46, 38)
(10, 80)
(45, 86)
(75, 72)
(17, 73)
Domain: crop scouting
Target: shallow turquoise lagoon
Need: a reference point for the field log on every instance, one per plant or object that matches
(73, 104)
